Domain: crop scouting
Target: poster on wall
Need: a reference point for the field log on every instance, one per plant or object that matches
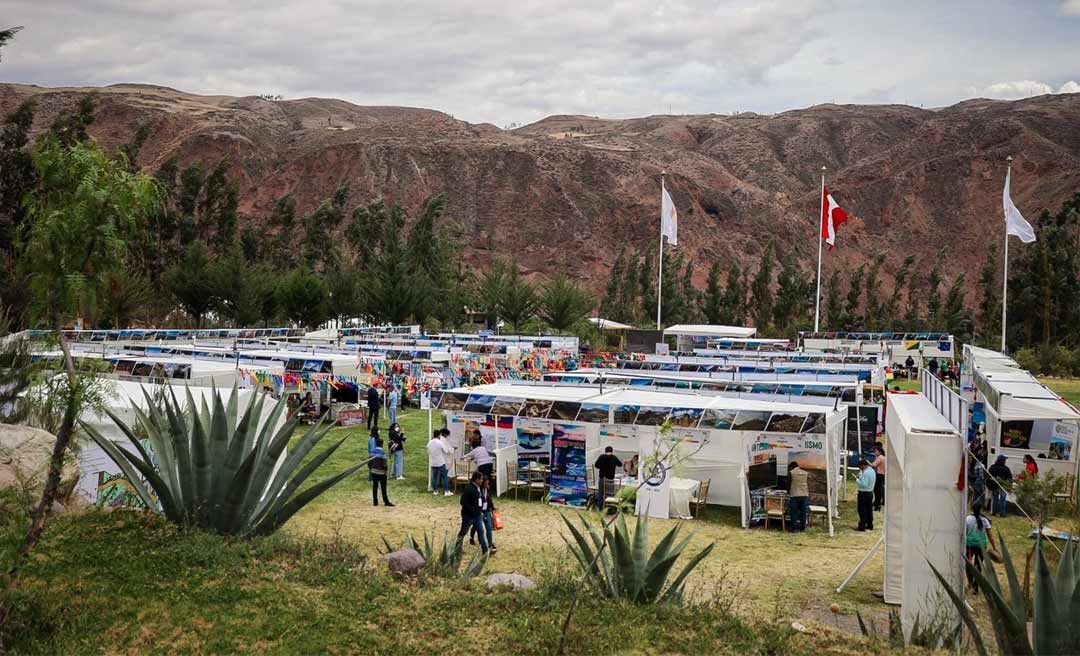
(770, 454)
(496, 435)
(1062, 440)
(534, 442)
(623, 439)
(569, 486)
(464, 429)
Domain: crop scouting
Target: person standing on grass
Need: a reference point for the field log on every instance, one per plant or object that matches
(392, 403)
(482, 457)
(977, 537)
(371, 441)
(487, 515)
(397, 449)
(864, 483)
(472, 511)
(438, 449)
(374, 404)
(606, 465)
(1031, 468)
(1000, 477)
(798, 497)
(879, 477)
(377, 467)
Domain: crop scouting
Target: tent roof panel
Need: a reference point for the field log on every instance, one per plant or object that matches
(700, 330)
(918, 415)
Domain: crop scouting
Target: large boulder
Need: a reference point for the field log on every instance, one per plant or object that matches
(515, 581)
(24, 458)
(405, 562)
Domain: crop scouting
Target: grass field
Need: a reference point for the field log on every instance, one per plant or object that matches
(126, 583)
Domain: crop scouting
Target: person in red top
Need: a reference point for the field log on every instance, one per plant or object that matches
(1031, 468)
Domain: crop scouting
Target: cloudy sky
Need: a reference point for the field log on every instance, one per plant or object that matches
(503, 62)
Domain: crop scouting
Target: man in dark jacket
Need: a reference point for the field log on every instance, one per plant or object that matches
(607, 464)
(1000, 477)
(472, 511)
(374, 404)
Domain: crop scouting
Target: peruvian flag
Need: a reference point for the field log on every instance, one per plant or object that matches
(832, 215)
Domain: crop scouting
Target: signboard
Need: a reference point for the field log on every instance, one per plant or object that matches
(662, 348)
(654, 496)
(569, 485)
(534, 442)
(351, 417)
(425, 400)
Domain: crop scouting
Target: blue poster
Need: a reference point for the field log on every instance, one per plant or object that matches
(569, 485)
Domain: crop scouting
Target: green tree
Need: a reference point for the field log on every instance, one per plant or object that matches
(187, 202)
(892, 308)
(283, 220)
(17, 176)
(673, 308)
(629, 294)
(989, 297)
(791, 296)
(520, 300)
(563, 304)
(490, 288)
(834, 317)
(319, 224)
(191, 281)
(239, 289)
(691, 295)
(77, 228)
(304, 298)
(611, 306)
(131, 149)
(393, 289)
(7, 34)
(956, 317)
(71, 128)
(714, 296)
(874, 307)
(219, 205)
(365, 232)
(852, 308)
(761, 289)
(345, 287)
(124, 293)
(933, 298)
(647, 288)
(734, 297)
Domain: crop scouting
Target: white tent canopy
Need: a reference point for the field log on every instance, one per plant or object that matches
(700, 330)
(924, 510)
(608, 324)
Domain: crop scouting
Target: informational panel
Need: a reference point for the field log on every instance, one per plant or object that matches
(770, 453)
(568, 483)
(503, 457)
(533, 442)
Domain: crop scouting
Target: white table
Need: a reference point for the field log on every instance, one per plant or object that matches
(682, 491)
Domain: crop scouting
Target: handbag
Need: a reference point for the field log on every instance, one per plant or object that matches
(497, 519)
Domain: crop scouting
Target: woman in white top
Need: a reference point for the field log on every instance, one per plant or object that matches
(482, 458)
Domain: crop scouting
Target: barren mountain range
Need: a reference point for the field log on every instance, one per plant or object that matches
(564, 193)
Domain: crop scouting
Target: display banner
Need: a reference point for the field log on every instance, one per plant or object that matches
(770, 453)
(534, 442)
(568, 483)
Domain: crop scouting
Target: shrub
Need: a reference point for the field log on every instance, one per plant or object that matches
(209, 469)
(619, 566)
(442, 560)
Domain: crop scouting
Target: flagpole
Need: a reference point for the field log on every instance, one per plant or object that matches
(817, 298)
(1005, 277)
(660, 264)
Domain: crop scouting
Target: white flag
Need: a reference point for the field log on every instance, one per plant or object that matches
(669, 217)
(1014, 221)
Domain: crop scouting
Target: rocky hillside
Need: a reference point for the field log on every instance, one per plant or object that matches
(566, 192)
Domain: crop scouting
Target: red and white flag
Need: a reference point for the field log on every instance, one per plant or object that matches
(832, 215)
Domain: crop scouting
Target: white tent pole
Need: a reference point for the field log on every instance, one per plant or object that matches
(660, 262)
(817, 298)
(1005, 277)
(863, 562)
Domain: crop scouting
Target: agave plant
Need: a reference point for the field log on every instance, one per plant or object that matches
(442, 560)
(211, 469)
(619, 566)
(1055, 610)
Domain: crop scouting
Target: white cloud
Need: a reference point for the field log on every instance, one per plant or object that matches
(1070, 7)
(1017, 89)
(1024, 89)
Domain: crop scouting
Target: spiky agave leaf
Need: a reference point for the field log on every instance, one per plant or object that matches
(639, 552)
(965, 612)
(675, 590)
